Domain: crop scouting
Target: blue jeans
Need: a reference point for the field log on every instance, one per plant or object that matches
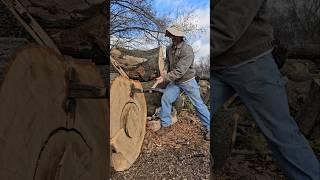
(261, 88)
(192, 90)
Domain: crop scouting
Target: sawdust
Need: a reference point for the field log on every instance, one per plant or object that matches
(182, 153)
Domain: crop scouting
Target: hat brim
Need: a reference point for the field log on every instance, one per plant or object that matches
(174, 32)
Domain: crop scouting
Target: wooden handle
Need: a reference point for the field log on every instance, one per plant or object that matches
(155, 84)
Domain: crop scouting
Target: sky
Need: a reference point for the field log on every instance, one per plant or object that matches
(201, 13)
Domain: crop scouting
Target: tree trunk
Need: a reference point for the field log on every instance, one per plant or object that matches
(39, 138)
(128, 115)
(140, 65)
(309, 116)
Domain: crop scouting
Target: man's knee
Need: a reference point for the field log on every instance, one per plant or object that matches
(167, 99)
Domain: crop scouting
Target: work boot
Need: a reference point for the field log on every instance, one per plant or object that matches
(163, 131)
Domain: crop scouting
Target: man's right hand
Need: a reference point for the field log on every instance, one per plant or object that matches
(160, 79)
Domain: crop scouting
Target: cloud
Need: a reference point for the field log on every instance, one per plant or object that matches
(202, 44)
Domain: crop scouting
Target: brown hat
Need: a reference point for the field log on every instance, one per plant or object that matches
(175, 30)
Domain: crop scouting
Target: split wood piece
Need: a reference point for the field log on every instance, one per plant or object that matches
(223, 128)
(308, 117)
(38, 138)
(128, 117)
(154, 125)
(140, 65)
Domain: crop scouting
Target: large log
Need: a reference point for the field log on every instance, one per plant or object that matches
(128, 115)
(39, 138)
(140, 65)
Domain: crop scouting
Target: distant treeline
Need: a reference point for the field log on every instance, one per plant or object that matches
(296, 22)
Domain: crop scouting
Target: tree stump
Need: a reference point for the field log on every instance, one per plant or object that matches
(128, 115)
(39, 139)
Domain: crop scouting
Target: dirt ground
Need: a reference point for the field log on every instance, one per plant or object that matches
(184, 154)
(238, 168)
(181, 154)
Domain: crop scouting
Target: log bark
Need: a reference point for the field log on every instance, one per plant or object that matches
(39, 139)
(309, 116)
(140, 65)
(128, 117)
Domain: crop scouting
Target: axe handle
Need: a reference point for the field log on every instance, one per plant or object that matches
(155, 84)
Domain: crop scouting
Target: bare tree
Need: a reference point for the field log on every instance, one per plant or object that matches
(203, 67)
(134, 18)
(135, 22)
(296, 22)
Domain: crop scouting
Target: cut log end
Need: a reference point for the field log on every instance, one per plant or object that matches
(54, 145)
(128, 115)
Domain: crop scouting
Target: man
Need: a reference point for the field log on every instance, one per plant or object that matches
(242, 62)
(181, 76)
